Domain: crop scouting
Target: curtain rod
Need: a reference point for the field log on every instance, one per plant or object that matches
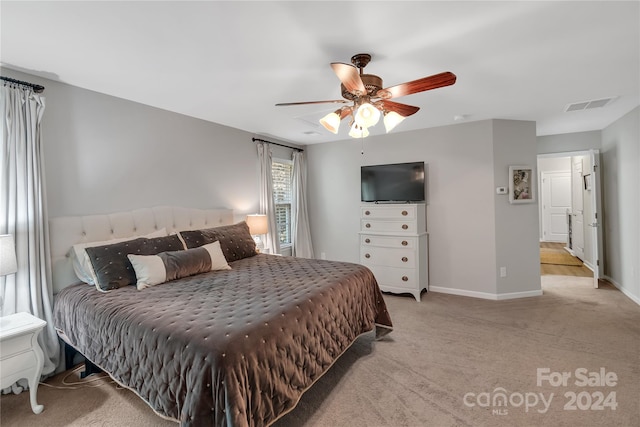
(275, 143)
(36, 88)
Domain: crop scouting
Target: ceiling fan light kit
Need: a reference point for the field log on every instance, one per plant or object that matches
(391, 120)
(370, 100)
(331, 121)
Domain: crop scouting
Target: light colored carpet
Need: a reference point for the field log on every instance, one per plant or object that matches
(558, 257)
(441, 349)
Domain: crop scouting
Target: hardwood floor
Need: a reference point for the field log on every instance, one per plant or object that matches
(562, 270)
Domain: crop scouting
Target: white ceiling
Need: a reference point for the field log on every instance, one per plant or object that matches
(230, 62)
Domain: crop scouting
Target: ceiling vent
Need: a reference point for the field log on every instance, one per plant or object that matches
(586, 105)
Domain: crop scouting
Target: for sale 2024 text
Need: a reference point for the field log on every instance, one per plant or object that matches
(583, 400)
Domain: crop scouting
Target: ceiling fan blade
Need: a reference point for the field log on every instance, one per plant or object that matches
(427, 83)
(334, 101)
(403, 109)
(350, 78)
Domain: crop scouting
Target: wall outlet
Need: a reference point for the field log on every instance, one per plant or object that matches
(503, 271)
(323, 255)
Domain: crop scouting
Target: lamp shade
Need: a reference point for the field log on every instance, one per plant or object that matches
(331, 122)
(257, 224)
(358, 131)
(367, 115)
(8, 264)
(391, 120)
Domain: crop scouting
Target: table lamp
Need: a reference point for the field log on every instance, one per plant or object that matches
(258, 226)
(8, 264)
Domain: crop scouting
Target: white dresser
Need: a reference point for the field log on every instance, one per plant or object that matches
(20, 354)
(393, 245)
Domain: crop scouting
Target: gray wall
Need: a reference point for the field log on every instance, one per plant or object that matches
(516, 226)
(463, 170)
(105, 154)
(621, 200)
(578, 141)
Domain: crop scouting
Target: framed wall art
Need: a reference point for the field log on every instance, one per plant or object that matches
(521, 184)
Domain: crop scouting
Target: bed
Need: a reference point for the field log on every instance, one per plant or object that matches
(229, 347)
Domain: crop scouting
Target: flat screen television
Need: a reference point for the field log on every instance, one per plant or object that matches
(399, 182)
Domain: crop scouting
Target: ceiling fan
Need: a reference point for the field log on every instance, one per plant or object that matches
(370, 100)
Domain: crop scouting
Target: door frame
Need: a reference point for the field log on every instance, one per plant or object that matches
(596, 195)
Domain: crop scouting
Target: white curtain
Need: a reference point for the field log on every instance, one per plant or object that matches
(300, 229)
(265, 158)
(23, 213)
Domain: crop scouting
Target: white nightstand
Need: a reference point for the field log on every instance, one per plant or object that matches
(20, 354)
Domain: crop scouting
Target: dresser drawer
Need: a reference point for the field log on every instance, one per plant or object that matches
(404, 258)
(397, 227)
(403, 278)
(388, 241)
(389, 212)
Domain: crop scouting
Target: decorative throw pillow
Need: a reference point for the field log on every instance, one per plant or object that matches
(235, 240)
(80, 260)
(112, 266)
(152, 270)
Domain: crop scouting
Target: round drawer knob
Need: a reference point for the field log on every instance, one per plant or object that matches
(367, 256)
(367, 213)
(405, 243)
(405, 259)
(367, 225)
(405, 226)
(367, 240)
(405, 278)
(405, 213)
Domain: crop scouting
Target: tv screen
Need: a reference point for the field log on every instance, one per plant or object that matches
(400, 182)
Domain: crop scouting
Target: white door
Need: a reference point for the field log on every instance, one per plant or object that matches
(577, 209)
(595, 222)
(556, 199)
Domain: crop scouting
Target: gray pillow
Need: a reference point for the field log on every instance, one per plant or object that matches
(235, 240)
(112, 266)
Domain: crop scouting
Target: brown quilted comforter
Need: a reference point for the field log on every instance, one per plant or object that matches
(226, 348)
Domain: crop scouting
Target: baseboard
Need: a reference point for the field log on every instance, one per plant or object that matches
(514, 295)
(622, 289)
(484, 295)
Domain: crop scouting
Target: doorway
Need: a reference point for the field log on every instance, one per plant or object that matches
(570, 241)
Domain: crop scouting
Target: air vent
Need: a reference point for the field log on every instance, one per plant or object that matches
(311, 133)
(586, 105)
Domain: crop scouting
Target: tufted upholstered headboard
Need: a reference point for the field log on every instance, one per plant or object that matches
(64, 232)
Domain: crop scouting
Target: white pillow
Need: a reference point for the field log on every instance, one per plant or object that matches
(152, 270)
(80, 260)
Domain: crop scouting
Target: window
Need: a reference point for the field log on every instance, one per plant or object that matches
(281, 173)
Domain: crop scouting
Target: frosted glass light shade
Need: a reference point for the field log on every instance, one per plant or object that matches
(8, 264)
(358, 131)
(367, 115)
(331, 122)
(257, 224)
(391, 120)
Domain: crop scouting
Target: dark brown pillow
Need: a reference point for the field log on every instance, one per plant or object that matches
(235, 240)
(112, 266)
